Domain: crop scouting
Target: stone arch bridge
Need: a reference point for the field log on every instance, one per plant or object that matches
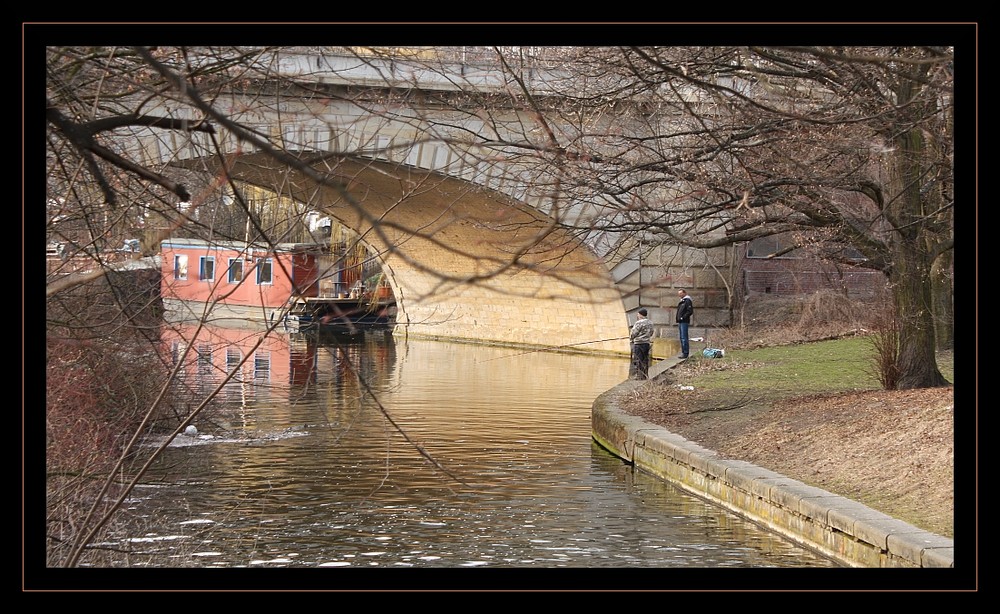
(472, 246)
(466, 263)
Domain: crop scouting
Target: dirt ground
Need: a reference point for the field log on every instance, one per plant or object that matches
(890, 450)
(850, 444)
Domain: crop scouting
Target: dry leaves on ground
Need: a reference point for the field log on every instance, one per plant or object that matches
(890, 450)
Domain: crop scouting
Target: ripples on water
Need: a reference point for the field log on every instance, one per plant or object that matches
(314, 474)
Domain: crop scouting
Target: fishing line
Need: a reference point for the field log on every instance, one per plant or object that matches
(553, 348)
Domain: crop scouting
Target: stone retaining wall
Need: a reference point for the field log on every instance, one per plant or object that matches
(844, 530)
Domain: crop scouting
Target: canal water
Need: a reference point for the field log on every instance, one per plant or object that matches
(381, 452)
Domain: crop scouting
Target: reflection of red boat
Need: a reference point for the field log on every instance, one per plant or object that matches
(268, 364)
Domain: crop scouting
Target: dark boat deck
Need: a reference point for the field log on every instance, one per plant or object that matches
(340, 313)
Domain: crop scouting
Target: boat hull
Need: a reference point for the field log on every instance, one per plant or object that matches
(340, 314)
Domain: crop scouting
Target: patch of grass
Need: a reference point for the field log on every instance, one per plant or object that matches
(946, 363)
(839, 365)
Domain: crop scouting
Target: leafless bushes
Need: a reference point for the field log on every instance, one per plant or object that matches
(780, 320)
(885, 340)
(96, 396)
(102, 374)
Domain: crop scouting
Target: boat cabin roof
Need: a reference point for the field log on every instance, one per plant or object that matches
(317, 248)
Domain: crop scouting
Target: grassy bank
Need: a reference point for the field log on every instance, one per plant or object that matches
(815, 412)
(840, 365)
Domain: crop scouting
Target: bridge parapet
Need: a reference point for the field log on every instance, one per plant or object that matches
(419, 139)
(423, 71)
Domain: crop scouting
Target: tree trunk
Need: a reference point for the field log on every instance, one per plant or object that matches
(944, 302)
(912, 294)
(907, 211)
(912, 285)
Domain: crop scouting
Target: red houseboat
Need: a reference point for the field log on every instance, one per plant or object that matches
(302, 285)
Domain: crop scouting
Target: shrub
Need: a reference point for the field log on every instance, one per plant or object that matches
(884, 338)
(96, 395)
(778, 320)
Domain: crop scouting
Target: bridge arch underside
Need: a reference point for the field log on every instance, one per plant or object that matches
(465, 262)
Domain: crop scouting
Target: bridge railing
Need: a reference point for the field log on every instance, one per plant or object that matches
(437, 68)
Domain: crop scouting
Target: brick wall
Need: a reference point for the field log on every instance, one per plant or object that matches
(792, 276)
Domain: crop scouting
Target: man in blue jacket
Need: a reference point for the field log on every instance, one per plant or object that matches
(685, 309)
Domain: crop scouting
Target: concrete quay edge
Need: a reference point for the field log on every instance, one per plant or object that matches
(834, 526)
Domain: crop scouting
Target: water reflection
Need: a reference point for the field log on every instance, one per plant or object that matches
(372, 451)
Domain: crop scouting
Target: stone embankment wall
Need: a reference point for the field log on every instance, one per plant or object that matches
(844, 530)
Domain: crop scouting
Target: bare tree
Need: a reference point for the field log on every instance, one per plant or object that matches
(845, 151)
(102, 190)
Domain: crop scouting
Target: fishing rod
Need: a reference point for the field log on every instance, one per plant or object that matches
(555, 347)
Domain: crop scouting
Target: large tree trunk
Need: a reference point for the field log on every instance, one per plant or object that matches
(944, 302)
(912, 284)
(911, 287)
(911, 243)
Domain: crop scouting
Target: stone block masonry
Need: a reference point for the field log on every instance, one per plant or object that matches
(844, 530)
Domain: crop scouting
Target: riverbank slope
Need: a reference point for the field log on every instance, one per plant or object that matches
(683, 452)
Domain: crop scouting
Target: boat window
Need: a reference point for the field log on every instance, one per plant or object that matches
(206, 269)
(264, 271)
(181, 266)
(235, 270)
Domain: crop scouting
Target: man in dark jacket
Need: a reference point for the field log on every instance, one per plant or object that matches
(685, 309)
